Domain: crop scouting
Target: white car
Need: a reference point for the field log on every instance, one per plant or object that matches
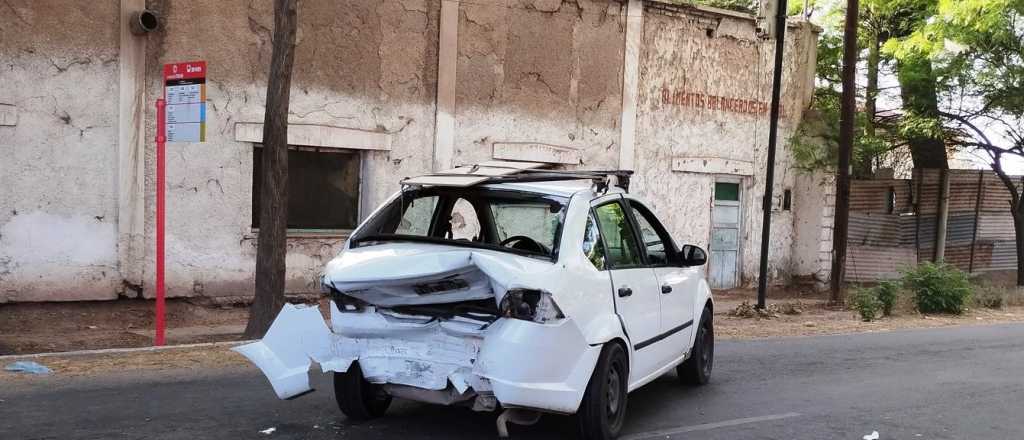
(500, 286)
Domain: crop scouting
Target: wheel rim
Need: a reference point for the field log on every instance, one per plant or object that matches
(614, 393)
(707, 352)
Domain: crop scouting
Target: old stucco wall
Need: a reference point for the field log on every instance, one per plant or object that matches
(527, 71)
(540, 71)
(814, 214)
(709, 58)
(58, 150)
(365, 64)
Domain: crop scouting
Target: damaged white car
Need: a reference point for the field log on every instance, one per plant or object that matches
(502, 287)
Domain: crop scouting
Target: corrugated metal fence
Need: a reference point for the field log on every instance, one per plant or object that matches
(893, 224)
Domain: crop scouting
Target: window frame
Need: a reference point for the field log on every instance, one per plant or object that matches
(447, 197)
(671, 252)
(314, 232)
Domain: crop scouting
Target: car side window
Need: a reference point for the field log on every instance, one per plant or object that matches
(416, 218)
(593, 248)
(653, 235)
(621, 249)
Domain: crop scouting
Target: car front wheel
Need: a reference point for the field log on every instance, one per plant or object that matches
(697, 369)
(357, 398)
(603, 409)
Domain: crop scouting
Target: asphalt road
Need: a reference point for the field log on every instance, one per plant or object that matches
(953, 383)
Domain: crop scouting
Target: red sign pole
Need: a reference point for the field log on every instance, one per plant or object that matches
(161, 139)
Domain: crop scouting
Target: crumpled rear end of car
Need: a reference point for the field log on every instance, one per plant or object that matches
(514, 348)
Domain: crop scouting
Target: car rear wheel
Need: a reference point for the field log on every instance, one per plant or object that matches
(697, 369)
(357, 398)
(603, 409)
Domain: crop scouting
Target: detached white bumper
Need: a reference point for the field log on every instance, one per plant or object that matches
(523, 364)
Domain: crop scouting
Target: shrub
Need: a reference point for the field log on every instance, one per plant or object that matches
(888, 292)
(938, 288)
(989, 296)
(866, 303)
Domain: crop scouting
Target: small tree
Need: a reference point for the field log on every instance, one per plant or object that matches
(273, 215)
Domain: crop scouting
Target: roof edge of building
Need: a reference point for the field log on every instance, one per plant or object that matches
(794, 22)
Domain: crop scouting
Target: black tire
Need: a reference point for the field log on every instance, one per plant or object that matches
(697, 369)
(357, 398)
(603, 409)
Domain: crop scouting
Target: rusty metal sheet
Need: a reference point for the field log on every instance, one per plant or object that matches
(872, 196)
(873, 263)
(995, 226)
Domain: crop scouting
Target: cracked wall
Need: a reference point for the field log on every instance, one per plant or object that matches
(527, 71)
(540, 71)
(362, 64)
(717, 56)
(58, 171)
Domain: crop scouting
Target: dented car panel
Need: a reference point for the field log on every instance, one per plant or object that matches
(451, 321)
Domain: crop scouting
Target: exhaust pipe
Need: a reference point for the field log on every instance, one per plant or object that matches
(519, 416)
(143, 22)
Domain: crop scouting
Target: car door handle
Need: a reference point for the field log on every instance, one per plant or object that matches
(625, 291)
(665, 288)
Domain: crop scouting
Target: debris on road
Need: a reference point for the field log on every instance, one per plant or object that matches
(872, 436)
(268, 431)
(27, 367)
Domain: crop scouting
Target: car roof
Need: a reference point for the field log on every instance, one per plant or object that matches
(564, 188)
(524, 176)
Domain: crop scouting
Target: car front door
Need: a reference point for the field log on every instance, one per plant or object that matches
(678, 285)
(634, 285)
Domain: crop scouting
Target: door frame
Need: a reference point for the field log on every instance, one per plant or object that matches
(740, 224)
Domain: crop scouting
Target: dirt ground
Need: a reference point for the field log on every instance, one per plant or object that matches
(52, 327)
(59, 327)
(809, 314)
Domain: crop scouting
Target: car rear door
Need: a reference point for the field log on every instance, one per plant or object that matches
(634, 285)
(678, 285)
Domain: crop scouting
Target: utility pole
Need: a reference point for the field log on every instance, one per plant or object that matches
(847, 110)
(773, 134)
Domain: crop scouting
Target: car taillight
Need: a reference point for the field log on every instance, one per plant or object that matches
(530, 305)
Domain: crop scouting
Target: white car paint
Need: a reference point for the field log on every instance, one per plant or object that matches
(543, 366)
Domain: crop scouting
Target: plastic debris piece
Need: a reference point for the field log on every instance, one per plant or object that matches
(27, 367)
(872, 436)
(268, 431)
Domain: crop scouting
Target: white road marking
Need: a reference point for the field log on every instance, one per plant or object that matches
(706, 426)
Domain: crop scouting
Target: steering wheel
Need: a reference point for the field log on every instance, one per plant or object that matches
(524, 243)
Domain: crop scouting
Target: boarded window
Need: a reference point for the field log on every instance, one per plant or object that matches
(323, 189)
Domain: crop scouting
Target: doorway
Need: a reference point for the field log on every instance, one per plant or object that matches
(726, 216)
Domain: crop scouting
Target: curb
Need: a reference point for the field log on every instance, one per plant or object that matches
(121, 350)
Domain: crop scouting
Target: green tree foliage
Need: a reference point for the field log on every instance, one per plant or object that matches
(918, 125)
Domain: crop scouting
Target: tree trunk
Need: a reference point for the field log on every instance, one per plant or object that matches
(847, 113)
(917, 88)
(273, 215)
(863, 166)
(1018, 232)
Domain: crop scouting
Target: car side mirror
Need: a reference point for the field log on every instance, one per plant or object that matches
(693, 256)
